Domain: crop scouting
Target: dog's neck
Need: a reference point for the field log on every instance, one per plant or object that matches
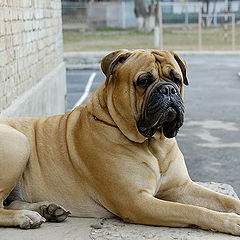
(97, 106)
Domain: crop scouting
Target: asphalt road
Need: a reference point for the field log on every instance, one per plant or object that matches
(210, 137)
(76, 84)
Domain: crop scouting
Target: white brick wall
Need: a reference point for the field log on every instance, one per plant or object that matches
(30, 45)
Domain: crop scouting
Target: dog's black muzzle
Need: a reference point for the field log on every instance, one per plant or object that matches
(163, 108)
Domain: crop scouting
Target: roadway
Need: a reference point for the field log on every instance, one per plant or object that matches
(210, 137)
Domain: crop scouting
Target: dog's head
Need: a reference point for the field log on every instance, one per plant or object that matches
(146, 90)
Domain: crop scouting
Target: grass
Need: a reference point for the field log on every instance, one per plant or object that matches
(178, 38)
(106, 40)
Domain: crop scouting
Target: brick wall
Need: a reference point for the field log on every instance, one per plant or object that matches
(30, 45)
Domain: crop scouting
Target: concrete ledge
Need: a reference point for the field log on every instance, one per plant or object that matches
(93, 66)
(115, 229)
(46, 98)
(83, 60)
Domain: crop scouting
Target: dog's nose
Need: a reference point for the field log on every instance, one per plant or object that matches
(167, 89)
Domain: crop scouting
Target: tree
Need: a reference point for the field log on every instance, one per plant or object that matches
(146, 14)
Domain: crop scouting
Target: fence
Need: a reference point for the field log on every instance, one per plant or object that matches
(74, 15)
(92, 15)
(233, 31)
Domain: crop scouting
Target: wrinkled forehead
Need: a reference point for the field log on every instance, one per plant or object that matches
(153, 61)
(142, 60)
(166, 59)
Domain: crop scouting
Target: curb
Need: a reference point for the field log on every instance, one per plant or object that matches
(83, 60)
(103, 53)
(83, 66)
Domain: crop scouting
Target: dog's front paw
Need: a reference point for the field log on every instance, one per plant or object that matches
(232, 223)
(26, 219)
(54, 213)
(229, 223)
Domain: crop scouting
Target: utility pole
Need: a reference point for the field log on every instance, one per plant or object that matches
(226, 21)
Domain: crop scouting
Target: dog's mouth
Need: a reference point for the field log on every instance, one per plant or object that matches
(162, 112)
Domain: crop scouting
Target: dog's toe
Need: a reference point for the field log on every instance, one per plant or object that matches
(54, 213)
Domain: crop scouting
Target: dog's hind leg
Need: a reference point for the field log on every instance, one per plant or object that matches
(14, 155)
(50, 211)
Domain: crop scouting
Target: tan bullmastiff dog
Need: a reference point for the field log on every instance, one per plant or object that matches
(114, 156)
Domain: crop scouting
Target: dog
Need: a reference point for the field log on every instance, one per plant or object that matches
(115, 156)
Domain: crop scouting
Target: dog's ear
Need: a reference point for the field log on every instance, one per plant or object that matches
(182, 66)
(113, 61)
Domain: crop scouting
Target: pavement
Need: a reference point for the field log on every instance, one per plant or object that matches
(210, 136)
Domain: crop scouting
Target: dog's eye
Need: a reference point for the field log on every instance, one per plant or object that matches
(178, 81)
(144, 80)
(143, 83)
(175, 78)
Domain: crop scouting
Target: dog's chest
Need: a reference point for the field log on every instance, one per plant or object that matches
(159, 181)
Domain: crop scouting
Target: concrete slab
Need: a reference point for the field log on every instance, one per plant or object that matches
(70, 229)
(115, 229)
